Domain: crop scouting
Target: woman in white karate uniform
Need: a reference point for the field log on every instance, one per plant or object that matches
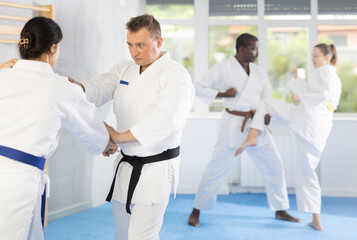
(311, 123)
(34, 104)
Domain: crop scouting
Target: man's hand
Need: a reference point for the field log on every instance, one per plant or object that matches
(9, 63)
(75, 82)
(231, 92)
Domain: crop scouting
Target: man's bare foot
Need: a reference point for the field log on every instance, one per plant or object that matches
(250, 141)
(193, 218)
(284, 215)
(247, 143)
(316, 222)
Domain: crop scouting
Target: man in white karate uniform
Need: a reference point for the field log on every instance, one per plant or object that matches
(152, 98)
(243, 86)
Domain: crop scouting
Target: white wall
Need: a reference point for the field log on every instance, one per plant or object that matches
(339, 160)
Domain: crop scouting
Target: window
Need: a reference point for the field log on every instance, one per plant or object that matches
(170, 9)
(287, 9)
(341, 9)
(179, 41)
(345, 39)
(244, 9)
(287, 49)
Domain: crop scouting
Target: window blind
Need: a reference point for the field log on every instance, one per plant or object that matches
(337, 7)
(232, 7)
(287, 7)
(169, 2)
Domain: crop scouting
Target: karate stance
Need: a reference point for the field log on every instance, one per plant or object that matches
(34, 104)
(243, 87)
(152, 98)
(310, 122)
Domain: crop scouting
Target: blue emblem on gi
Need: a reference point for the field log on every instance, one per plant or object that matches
(124, 82)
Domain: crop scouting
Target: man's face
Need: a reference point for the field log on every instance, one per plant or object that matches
(143, 48)
(251, 52)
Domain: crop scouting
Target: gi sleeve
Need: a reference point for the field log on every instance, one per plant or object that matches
(4, 69)
(266, 97)
(208, 87)
(314, 93)
(100, 89)
(82, 119)
(169, 116)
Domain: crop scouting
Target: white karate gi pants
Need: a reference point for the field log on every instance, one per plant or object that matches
(308, 191)
(21, 187)
(144, 222)
(307, 188)
(265, 157)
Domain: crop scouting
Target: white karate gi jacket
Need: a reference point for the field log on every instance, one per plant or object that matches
(154, 106)
(34, 104)
(312, 119)
(250, 91)
(311, 123)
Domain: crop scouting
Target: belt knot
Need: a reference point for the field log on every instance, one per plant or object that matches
(246, 115)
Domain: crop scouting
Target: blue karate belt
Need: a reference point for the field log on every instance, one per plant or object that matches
(137, 163)
(23, 157)
(29, 159)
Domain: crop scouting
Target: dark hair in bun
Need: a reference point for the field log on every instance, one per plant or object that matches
(37, 37)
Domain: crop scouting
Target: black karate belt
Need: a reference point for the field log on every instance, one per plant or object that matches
(137, 163)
